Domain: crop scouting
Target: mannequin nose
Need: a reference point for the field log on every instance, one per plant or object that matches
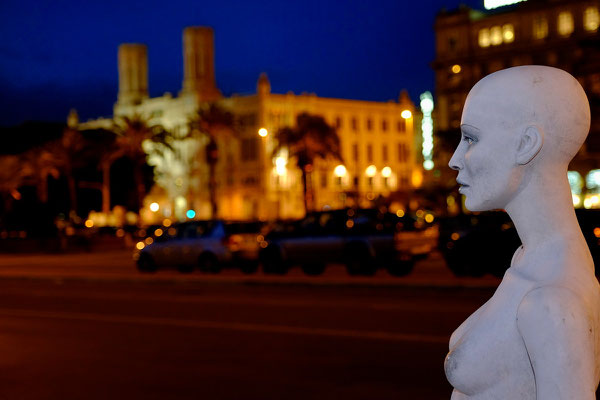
(456, 161)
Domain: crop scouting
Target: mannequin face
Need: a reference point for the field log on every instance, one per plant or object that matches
(486, 155)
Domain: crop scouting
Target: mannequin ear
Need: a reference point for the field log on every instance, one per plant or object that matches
(530, 144)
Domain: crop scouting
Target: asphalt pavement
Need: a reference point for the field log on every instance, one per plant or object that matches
(118, 265)
(76, 339)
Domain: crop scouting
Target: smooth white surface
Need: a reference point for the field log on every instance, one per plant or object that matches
(538, 337)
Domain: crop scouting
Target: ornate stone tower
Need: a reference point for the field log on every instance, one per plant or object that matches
(199, 64)
(263, 86)
(133, 73)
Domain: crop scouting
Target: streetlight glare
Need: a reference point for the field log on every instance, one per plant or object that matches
(340, 171)
(371, 171)
(262, 132)
(406, 114)
(386, 172)
(154, 207)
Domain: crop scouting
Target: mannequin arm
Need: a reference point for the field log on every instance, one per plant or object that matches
(559, 337)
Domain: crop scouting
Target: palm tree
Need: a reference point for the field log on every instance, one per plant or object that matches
(11, 178)
(212, 122)
(66, 155)
(131, 134)
(37, 165)
(310, 139)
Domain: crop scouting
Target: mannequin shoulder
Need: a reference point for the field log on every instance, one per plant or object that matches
(559, 312)
(559, 327)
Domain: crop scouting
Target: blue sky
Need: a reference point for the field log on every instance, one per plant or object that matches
(62, 54)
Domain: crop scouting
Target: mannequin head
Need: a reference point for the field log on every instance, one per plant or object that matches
(517, 123)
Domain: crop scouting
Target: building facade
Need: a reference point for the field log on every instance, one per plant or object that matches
(471, 44)
(378, 143)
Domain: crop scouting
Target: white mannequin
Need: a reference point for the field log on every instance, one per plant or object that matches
(538, 337)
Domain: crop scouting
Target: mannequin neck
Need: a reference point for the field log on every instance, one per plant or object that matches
(543, 210)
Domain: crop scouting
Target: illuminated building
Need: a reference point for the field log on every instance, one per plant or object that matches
(378, 143)
(471, 44)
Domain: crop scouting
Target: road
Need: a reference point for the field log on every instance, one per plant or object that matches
(119, 266)
(162, 340)
(90, 326)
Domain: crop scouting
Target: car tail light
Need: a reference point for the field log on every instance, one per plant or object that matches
(233, 241)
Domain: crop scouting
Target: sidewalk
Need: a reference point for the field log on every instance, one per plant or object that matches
(118, 265)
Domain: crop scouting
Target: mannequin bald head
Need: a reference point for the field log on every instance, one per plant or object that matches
(547, 98)
(517, 122)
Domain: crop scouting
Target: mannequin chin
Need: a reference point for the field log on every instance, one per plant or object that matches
(538, 337)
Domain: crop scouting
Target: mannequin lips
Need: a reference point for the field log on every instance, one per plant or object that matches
(462, 187)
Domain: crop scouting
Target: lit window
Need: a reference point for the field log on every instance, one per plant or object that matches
(508, 33)
(591, 19)
(540, 27)
(592, 180)
(484, 37)
(565, 23)
(495, 35)
(575, 181)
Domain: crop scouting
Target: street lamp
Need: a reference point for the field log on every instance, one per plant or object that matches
(262, 132)
(371, 171)
(340, 171)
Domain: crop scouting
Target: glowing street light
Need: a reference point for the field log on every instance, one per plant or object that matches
(262, 132)
(427, 130)
(371, 171)
(386, 172)
(406, 114)
(340, 171)
(154, 207)
(280, 165)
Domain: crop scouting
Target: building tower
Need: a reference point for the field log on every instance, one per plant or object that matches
(199, 64)
(133, 73)
(263, 86)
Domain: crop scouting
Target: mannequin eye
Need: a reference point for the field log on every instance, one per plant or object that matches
(468, 139)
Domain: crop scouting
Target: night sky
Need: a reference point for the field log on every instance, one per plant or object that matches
(62, 54)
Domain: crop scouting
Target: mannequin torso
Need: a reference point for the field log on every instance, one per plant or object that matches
(488, 356)
(538, 337)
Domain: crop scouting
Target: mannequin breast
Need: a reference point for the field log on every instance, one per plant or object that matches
(487, 358)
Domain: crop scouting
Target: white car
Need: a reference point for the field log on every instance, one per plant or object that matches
(206, 245)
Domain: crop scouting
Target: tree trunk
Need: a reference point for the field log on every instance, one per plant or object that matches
(106, 187)
(305, 190)
(43, 188)
(212, 189)
(72, 192)
(140, 187)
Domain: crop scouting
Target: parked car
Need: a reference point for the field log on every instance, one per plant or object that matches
(474, 245)
(362, 239)
(204, 245)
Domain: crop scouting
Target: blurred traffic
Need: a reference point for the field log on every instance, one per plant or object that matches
(362, 239)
